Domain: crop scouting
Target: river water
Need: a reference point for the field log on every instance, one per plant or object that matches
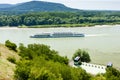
(102, 42)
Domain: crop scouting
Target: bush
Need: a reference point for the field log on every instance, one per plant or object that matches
(112, 74)
(11, 59)
(10, 45)
(22, 70)
(34, 50)
(83, 55)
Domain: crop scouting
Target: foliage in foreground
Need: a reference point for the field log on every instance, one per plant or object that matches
(112, 74)
(39, 62)
(41, 69)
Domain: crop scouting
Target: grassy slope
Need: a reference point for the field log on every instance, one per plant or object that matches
(6, 67)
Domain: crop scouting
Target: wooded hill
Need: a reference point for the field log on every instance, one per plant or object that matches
(36, 6)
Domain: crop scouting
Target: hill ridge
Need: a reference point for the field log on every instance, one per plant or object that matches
(38, 6)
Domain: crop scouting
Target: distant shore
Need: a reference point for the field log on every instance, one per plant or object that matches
(7, 27)
(106, 25)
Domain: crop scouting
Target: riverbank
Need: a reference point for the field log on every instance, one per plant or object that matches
(39, 26)
(57, 26)
(7, 27)
(67, 25)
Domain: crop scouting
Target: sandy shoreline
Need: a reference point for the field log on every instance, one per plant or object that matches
(6, 27)
(105, 25)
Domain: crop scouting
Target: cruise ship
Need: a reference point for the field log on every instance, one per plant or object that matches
(58, 35)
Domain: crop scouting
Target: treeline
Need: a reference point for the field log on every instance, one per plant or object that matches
(84, 18)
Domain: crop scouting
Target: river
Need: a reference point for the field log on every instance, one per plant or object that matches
(102, 42)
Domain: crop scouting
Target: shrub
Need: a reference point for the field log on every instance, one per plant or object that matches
(11, 59)
(34, 50)
(10, 45)
(22, 70)
(112, 74)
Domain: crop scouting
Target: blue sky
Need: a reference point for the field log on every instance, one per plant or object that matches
(80, 4)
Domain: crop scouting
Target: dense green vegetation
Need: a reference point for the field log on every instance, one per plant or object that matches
(112, 74)
(39, 62)
(61, 19)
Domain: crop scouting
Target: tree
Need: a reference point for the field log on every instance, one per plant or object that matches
(83, 55)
